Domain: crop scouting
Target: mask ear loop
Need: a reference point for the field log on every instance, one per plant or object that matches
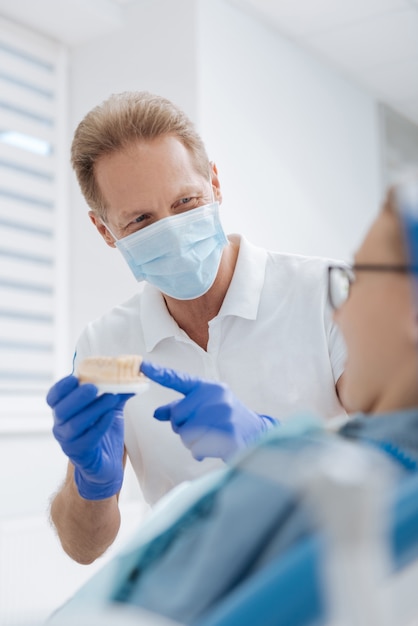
(109, 231)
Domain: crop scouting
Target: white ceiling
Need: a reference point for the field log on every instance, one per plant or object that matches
(71, 21)
(374, 42)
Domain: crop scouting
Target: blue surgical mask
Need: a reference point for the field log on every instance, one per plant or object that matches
(180, 254)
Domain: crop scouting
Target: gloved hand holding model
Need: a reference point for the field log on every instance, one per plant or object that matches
(90, 431)
(210, 419)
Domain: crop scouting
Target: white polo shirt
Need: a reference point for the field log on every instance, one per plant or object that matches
(273, 342)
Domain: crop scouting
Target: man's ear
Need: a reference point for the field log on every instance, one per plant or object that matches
(107, 236)
(215, 182)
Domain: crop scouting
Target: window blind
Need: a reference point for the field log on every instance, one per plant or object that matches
(32, 220)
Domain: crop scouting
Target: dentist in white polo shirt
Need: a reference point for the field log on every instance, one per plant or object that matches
(213, 305)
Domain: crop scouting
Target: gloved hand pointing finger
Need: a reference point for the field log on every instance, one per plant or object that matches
(210, 419)
(178, 381)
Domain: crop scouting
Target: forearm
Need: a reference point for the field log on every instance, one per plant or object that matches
(86, 528)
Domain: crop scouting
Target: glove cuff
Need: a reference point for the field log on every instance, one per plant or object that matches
(95, 491)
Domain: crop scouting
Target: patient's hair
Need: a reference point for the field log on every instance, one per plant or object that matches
(121, 120)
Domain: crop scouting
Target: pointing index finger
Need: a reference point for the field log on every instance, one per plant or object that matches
(179, 381)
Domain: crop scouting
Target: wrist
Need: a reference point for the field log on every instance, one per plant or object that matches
(92, 490)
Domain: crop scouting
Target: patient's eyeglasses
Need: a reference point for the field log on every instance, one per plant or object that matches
(341, 277)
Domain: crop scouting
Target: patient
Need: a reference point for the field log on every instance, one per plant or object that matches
(207, 542)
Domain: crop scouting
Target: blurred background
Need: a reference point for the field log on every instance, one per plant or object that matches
(309, 108)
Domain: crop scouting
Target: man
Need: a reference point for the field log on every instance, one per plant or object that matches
(210, 555)
(217, 307)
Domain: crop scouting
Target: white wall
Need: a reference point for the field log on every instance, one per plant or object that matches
(297, 145)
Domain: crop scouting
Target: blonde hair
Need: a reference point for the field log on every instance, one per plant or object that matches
(120, 120)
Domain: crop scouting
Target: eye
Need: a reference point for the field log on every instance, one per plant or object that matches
(139, 219)
(133, 224)
(189, 202)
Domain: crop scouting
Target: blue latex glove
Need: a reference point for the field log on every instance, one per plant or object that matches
(90, 430)
(210, 419)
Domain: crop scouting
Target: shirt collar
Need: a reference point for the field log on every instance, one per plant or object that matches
(156, 321)
(242, 298)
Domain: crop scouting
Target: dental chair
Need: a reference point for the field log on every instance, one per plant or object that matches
(297, 589)
(356, 568)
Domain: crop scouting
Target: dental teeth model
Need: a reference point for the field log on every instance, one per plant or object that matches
(113, 374)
